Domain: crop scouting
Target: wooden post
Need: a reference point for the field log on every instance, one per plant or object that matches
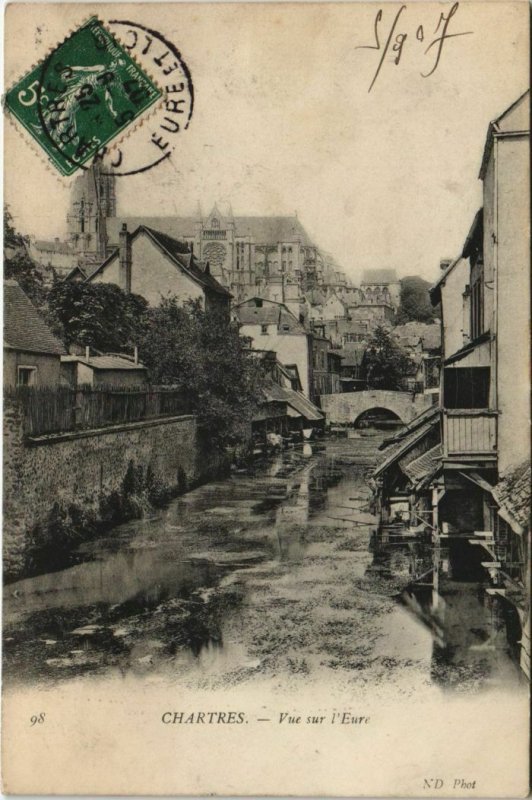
(436, 538)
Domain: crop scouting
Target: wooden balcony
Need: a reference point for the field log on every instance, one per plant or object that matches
(470, 434)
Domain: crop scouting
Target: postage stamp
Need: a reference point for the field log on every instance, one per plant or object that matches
(82, 96)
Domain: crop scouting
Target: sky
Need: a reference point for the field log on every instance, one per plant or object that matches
(284, 122)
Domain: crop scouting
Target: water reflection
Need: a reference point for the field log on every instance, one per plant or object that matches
(474, 641)
(265, 573)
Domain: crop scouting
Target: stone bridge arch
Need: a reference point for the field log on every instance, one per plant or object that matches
(346, 408)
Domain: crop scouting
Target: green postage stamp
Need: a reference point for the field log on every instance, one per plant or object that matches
(78, 99)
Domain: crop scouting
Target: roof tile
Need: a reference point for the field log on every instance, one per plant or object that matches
(24, 328)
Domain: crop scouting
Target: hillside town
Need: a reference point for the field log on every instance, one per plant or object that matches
(149, 358)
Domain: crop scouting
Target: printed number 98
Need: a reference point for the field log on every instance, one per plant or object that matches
(37, 719)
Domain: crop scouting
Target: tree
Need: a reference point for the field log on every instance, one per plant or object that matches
(19, 266)
(385, 362)
(203, 354)
(98, 315)
(415, 302)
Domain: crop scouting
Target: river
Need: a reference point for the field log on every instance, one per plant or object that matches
(272, 573)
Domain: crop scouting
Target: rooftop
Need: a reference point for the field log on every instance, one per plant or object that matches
(262, 230)
(112, 361)
(179, 253)
(412, 332)
(24, 328)
(398, 450)
(513, 492)
(352, 355)
(296, 400)
(422, 469)
(53, 246)
(257, 311)
(378, 276)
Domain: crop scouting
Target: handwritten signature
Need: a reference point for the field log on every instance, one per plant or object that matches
(395, 42)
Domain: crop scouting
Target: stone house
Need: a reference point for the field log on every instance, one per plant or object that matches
(32, 353)
(154, 265)
(272, 326)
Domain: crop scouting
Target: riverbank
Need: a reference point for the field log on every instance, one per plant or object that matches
(63, 489)
(268, 575)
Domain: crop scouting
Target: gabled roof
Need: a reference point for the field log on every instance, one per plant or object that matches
(257, 311)
(515, 119)
(24, 328)
(378, 276)
(435, 289)
(179, 253)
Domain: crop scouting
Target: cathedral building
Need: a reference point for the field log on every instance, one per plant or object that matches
(268, 256)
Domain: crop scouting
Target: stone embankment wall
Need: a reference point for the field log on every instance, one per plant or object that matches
(85, 468)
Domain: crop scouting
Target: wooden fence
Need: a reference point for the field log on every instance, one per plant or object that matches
(61, 409)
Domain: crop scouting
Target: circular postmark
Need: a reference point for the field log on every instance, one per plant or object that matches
(144, 146)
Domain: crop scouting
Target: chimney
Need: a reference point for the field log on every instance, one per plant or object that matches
(87, 353)
(135, 355)
(124, 259)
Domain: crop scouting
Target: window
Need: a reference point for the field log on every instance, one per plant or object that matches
(26, 376)
(264, 330)
(466, 387)
(215, 223)
(477, 300)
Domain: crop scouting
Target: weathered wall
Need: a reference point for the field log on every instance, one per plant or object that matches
(513, 294)
(455, 327)
(47, 370)
(291, 348)
(345, 408)
(85, 468)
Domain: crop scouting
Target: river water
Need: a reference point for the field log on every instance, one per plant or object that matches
(273, 573)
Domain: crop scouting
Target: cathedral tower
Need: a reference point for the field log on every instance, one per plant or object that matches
(92, 201)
